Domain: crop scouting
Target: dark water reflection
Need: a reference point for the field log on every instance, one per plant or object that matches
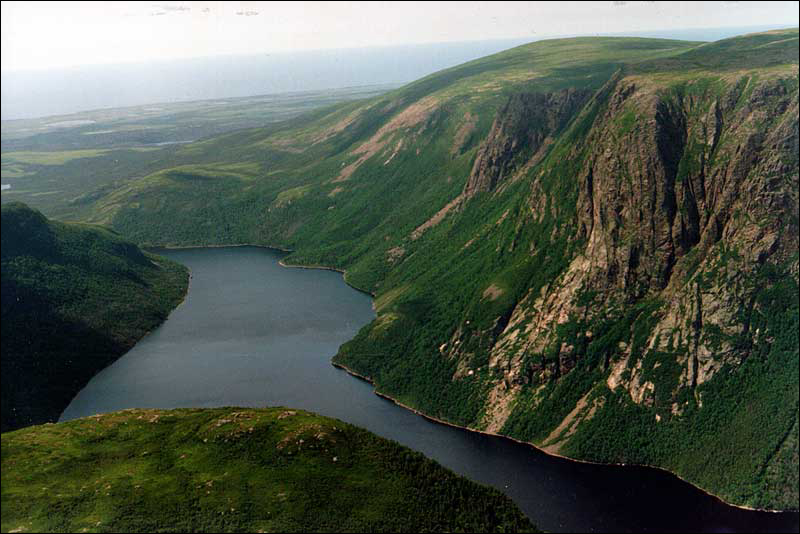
(252, 333)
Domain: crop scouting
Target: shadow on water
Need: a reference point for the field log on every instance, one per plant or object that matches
(253, 333)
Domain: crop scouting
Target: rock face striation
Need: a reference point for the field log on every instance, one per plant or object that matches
(686, 206)
(523, 127)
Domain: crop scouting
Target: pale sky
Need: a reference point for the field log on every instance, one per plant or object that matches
(47, 35)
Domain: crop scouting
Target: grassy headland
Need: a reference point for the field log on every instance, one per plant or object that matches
(234, 470)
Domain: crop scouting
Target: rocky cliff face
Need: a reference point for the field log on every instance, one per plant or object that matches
(522, 129)
(686, 196)
(674, 182)
(627, 291)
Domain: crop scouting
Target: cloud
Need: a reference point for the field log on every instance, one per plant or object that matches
(172, 9)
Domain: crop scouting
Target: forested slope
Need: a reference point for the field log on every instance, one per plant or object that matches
(75, 297)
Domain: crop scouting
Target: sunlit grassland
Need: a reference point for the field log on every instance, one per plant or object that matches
(49, 158)
(231, 470)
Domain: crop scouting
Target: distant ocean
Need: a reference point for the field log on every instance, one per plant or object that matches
(29, 94)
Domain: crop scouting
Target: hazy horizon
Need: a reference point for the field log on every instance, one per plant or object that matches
(63, 91)
(51, 35)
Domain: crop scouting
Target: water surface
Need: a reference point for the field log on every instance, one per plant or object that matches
(252, 333)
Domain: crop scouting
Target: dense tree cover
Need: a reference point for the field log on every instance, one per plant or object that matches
(747, 414)
(234, 470)
(74, 298)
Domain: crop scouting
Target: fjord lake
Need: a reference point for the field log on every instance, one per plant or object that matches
(254, 333)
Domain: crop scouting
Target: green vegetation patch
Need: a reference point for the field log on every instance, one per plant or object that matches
(292, 194)
(75, 297)
(50, 158)
(234, 470)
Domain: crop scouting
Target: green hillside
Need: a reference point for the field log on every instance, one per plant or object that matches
(234, 470)
(332, 161)
(588, 244)
(74, 298)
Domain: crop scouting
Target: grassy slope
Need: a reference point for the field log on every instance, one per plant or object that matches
(234, 470)
(410, 152)
(74, 298)
(349, 222)
(166, 122)
(47, 163)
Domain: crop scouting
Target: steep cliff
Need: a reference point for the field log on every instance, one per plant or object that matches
(680, 302)
(665, 329)
(520, 134)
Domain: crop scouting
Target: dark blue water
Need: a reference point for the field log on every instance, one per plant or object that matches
(252, 333)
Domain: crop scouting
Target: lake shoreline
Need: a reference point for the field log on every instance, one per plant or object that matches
(280, 262)
(144, 335)
(527, 443)
(448, 423)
